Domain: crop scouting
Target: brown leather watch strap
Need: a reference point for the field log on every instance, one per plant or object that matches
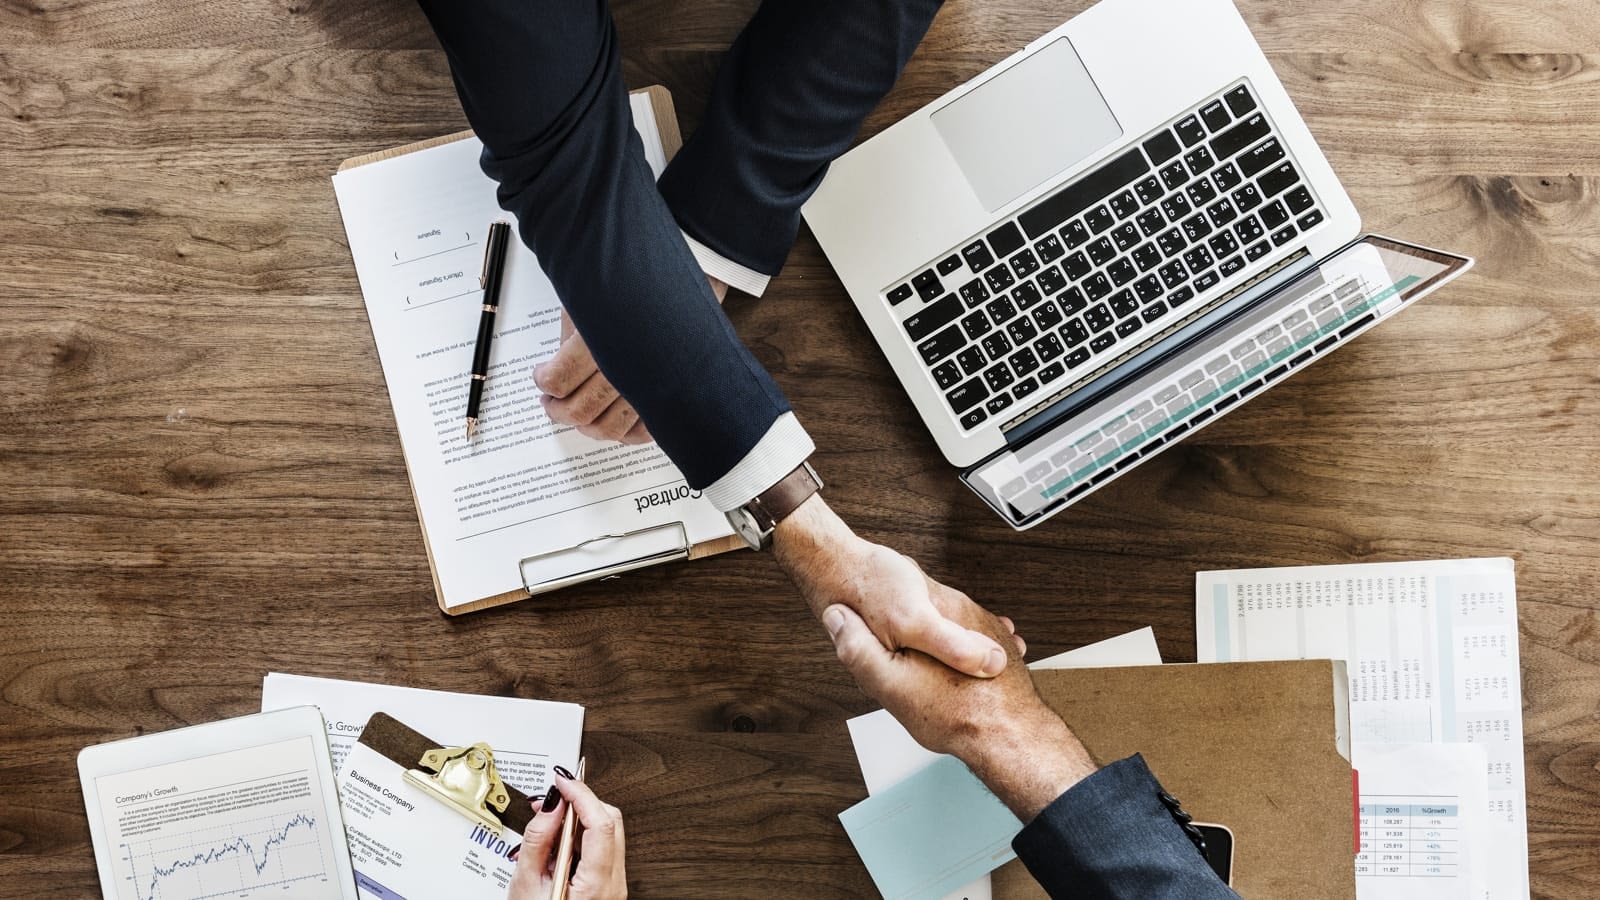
(774, 504)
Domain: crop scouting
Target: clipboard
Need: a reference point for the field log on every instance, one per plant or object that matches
(551, 570)
(462, 778)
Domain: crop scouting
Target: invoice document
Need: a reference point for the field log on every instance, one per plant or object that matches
(1432, 653)
(523, 486)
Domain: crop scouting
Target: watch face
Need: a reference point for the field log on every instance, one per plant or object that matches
(745, 525)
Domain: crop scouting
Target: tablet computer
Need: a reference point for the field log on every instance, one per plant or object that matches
(240, 808)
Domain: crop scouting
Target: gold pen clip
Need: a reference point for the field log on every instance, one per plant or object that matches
(464, 778)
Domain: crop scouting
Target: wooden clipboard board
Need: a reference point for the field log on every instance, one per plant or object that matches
(671, 139)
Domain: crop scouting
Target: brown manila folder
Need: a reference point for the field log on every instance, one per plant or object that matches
(1253, 746)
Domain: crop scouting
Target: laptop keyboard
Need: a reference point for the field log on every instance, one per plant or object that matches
(1115, 260)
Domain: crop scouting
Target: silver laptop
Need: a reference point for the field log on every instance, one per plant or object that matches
(1100, 245)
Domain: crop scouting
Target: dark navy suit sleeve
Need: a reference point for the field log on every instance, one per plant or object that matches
(542, 85)
(1109, 837)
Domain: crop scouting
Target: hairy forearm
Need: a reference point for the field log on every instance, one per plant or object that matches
(813, 545)
(1028, 764)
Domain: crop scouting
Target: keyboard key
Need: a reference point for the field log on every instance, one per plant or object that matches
(977, 256)
(999, 278)
(1099, 219)
(1128, 326)
(1049, 347)
(1151, 221)
(1199, 161)
(971, 360)
(1310, 220)
(1121, 272)
(1073, 301)
(1103, 342)
(1239, 100)
(976, 325)
(1171, 243)
(1201, 192)
(1102, 252)
(1074, 234)
(1299, 200)
(1051, 281)
(1098, 318)
(1196, 227)
(1049, 249)
(1283, 235)
(1074, 333)
(1240, 136)
(1047, 316)
(1076, 266)
(933, 317)
(900, 294)
(1227, 177)
(973, 292)
(1222, 212)
(1022, 330)
(1278, 179)
(1024, 361)
(1274, 215)
(1189, 131)
(1096, 286)
(1161, 146)
(997, 403)
(998, 377)
(973, 419)
(1198, 259)
(927, 285)
(1230, 266)
(1025, 264)
(947, 374)
(1247, 198)
(1126, 236)
(1051, 372)
(949, 264)
(996, 346)
(1249, 229)
(1153, 312)
(1215, 116)
(1148, 288)
(1223, 243)
(1258, 158)
(1084, 193)
(1173, 274)
(1147, 257)
(1148, 191)
(1123, 205)
(1001, 309)
(1005, 240)
(1077, 357)
(1024, 388)
(941, 345)
(1026, 294)
(1207, 281)
(1176, 207)
(1123, 304)
(1180, 296)
(1173, 175)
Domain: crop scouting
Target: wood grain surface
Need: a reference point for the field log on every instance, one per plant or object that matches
(200, 479)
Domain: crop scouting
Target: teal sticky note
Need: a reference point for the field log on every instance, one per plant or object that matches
(931, 833)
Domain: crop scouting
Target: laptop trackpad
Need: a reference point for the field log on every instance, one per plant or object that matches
(1032, 121)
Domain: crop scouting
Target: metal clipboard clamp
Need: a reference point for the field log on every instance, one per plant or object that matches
(668, 542)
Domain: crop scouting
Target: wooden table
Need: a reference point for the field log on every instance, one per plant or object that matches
(200, 480)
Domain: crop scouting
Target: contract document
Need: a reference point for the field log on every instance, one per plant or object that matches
(522, 487)
(1433, 658)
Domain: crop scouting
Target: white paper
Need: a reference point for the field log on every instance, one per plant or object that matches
(888, 754)
(1424, 822)
(523, 486)
(528, 736)
(1432, 652)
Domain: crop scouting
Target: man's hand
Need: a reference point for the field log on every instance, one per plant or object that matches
(998, 726)
(577, 393)
(900, 604)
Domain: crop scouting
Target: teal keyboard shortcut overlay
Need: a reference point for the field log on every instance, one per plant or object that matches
(1079, 476)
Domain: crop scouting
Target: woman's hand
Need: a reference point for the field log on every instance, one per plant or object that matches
(599, 871)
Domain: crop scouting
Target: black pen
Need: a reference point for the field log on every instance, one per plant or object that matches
(494, 261)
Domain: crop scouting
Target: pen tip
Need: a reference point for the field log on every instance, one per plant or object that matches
(472, 425)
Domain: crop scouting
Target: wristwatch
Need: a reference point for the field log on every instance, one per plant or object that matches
(755, 521)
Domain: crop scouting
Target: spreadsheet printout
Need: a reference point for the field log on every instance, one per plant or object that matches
(1432, 654)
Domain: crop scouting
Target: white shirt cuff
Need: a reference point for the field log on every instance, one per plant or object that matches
(736, 276)
(780, 451)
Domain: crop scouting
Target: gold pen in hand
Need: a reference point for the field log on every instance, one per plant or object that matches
(569, 829)
(494, 260)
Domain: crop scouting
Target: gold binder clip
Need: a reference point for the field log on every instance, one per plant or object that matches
(464, 778)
